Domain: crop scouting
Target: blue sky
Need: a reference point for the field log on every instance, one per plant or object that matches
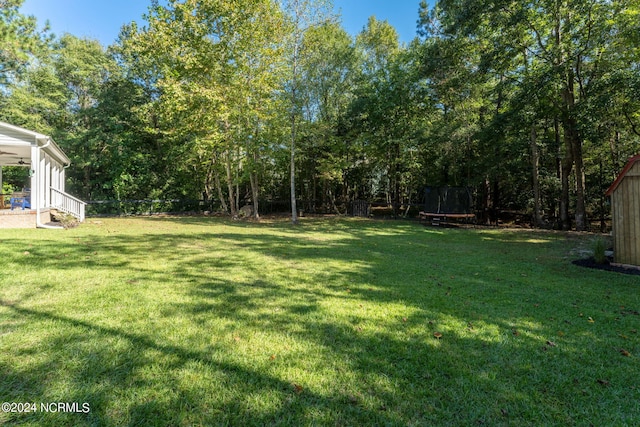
(102, 19)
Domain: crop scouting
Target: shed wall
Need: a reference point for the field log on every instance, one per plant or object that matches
(625, 201)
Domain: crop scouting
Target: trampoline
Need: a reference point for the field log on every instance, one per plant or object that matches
(442, 204)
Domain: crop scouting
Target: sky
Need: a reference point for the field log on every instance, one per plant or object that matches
(102, 19)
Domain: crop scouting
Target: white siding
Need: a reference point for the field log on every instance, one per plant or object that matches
(12, 137)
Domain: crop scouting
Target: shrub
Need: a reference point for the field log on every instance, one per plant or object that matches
(599, 247)
(67, 221)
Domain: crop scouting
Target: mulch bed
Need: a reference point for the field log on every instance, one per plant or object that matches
(590, 263)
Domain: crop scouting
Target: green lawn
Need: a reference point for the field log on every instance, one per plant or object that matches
(201, 321)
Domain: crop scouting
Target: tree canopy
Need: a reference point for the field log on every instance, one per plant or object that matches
(533, 105)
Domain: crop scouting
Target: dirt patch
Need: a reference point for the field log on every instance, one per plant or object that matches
(591, 263)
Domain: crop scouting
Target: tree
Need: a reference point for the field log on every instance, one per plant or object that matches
(20, 43)
(303, 16)
(19, 38)
(558, 48)
(328, 76)
(216, 76)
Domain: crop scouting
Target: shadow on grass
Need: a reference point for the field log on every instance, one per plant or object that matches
(500, 358)
(107, 372)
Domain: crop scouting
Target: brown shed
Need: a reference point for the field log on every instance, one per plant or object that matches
(625, 206)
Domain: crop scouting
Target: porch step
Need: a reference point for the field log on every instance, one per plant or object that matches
(54, 225)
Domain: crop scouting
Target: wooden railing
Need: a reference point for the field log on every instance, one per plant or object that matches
(67, 203)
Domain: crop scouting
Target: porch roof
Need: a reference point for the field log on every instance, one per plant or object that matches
(16, 144)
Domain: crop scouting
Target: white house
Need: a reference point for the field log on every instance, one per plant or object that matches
(47, 163)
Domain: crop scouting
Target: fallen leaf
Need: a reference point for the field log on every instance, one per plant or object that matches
(26, 253)
(624, 352)
(515, 332)
(297, 388)
(236, 338)
(437, 335)
(603, 382)
(273, 357)
(404, 319)
(560, 333)
(590, 320)
(551, 344)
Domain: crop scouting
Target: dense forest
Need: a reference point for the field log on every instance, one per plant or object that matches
(534, 105)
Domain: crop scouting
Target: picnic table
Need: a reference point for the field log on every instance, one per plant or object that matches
(442, 218)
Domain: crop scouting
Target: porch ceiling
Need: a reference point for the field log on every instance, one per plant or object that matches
(10, 155)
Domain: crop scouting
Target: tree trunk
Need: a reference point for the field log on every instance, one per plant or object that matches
(314, 190)
(558, 165)
(535, 161)
(208, 183)
(581, 211)
(566, 165)
(216, 178)
(495, 193)
(486, 202)
(237, 192)
(565, 171)
(253, 178)
(294, 209)
(220, 194)
(396, 178)
(601, 188)
(332, 200)
(573, 143)
(255, 188)
(231, 195)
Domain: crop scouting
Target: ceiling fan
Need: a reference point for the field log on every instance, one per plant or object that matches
(22, 162)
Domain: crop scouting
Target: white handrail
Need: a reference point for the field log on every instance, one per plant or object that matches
(67, 203)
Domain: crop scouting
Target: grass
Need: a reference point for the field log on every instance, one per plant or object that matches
(198, 321)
